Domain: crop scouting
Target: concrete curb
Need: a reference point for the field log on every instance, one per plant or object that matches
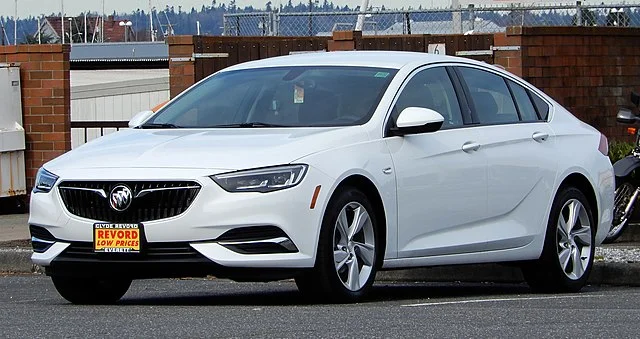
(603, 273)
(18, 260)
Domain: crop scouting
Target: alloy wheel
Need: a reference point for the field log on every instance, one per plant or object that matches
(354, 246)
(574, 239)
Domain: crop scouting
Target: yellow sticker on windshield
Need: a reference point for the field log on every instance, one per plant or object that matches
(298, 94)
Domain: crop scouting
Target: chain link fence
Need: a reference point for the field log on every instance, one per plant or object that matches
(433, 21)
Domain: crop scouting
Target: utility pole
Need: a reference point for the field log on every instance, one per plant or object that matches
(15, 26)
(102, 24)
(151, 22)
(361, 17)
(62, 20)
(85, 27)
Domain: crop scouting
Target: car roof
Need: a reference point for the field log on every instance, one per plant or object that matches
(382, 59)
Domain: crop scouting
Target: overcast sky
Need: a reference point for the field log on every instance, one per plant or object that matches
(74, 7)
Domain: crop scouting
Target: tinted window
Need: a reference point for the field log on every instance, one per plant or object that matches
(490, 95)
(431, 88)
(525, 106)
(287, 96)
(541, 106)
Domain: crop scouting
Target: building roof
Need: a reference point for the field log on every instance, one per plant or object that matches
(120, 52)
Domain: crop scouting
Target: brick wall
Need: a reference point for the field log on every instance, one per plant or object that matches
(46, 99)
(181, 64)
(589, 70)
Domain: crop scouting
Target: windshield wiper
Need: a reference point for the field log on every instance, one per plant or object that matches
(248, 125)
(157, 126)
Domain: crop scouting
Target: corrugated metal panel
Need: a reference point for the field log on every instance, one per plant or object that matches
(12, 174)
(125, 51)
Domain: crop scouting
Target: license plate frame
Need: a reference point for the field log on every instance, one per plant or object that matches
(121, 238)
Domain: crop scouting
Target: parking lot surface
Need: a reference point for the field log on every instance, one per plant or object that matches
(220, 308)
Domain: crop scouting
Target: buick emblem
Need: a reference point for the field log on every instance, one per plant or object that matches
(120, 198)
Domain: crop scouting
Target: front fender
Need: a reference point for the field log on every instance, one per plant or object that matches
(626, 165)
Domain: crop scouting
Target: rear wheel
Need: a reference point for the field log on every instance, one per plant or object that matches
(91, 291)
(347, 254)
(567, 256)
(623, 196)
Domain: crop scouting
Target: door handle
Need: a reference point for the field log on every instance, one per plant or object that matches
(470, 146)
(540, 136)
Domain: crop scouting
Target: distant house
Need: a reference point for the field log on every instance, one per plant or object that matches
(75, 27)
(425, 27)
(443, 27)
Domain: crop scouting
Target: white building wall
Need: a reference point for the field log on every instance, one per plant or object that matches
(112, 101)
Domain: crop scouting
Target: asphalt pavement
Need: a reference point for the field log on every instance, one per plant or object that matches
(30, 307)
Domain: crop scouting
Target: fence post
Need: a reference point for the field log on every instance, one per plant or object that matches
(407, 17)
(472, 17)
(225, 28)
(578, 13)
(237, 26)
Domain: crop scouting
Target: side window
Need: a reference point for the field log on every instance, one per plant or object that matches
(431, 88)
(525, 106)
(490, 96)
(541, 106)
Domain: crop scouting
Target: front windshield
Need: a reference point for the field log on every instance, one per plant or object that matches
(279, 97)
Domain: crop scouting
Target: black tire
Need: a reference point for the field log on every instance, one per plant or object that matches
(85, 291)
(547, 274)
(624, 192)
(324, 283)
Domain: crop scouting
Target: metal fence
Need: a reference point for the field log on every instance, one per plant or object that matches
(432, 21)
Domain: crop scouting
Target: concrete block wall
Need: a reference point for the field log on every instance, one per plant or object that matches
(46, 101)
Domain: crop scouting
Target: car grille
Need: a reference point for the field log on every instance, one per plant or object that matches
(150, 252)
(152, 200)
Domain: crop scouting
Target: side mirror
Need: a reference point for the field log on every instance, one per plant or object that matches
(635, 99)
(416, 120)
(625, 116)
(140, 118)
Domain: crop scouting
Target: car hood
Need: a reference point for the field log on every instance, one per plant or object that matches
(215, 149)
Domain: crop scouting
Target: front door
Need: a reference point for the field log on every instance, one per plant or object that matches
(441, 176)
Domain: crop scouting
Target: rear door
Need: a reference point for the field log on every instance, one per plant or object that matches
(518, 144)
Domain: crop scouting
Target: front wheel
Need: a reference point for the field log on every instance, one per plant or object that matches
(622, 210)
(91, 291)
(569, 245)
(347, 254)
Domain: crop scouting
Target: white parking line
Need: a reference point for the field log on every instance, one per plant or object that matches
(476, 301)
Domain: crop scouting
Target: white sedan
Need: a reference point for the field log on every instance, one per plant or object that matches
(327, 168)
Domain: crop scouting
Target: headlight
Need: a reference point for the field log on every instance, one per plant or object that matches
(261, 180)
(44, 181)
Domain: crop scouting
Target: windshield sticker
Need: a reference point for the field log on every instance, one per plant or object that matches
(298, 94)
(382, 75)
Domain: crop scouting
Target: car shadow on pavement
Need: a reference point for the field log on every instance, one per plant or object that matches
(382, 292)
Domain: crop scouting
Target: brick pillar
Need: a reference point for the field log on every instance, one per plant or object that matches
(181, 63)
(510, 59)
(46, 101)
(343, 41)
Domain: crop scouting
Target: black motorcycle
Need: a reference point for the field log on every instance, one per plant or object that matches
(627, 183)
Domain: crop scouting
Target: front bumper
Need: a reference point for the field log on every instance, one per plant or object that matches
(213, 213)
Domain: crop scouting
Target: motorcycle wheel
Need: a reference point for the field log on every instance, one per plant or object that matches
(623, 193)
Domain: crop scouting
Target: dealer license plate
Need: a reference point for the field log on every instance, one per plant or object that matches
(116, 238)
